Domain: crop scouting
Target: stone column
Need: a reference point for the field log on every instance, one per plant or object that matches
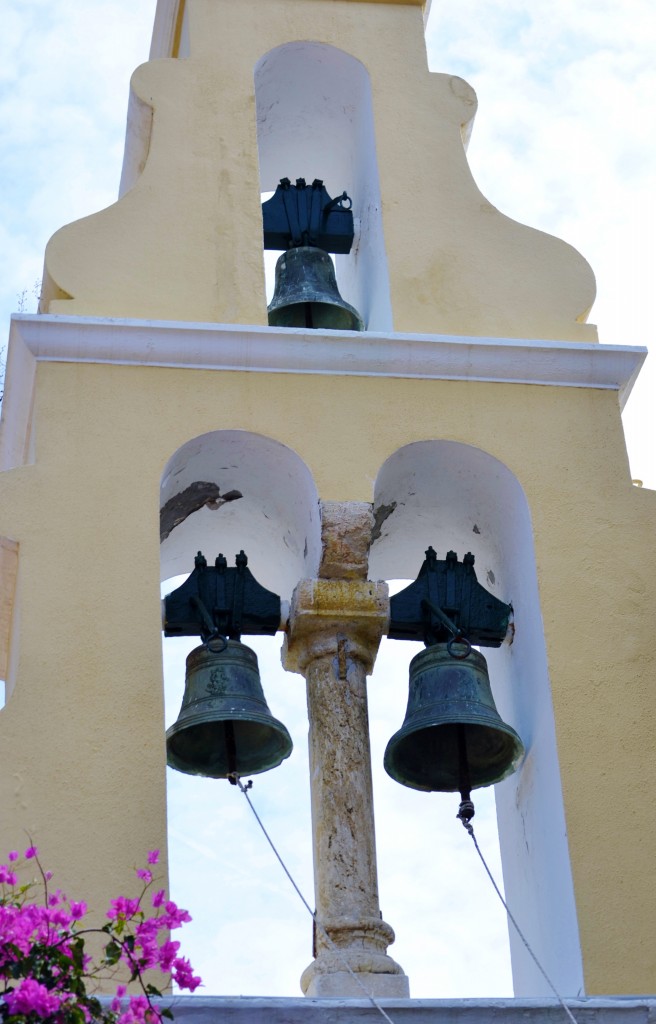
(333, 636)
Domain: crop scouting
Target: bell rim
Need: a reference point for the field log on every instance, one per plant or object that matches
(498, 726)
(278, 754)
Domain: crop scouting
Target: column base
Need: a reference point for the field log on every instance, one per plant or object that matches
(341, 985)
(328, 976)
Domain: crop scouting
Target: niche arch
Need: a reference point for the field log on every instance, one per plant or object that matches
(315, 120)
(458, 497)
(232, 489)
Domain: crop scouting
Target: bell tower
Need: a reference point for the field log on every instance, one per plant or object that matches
(465, 406)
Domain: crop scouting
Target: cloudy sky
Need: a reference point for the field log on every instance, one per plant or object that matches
(563, 141)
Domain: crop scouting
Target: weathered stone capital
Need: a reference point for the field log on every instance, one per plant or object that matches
(343, 619)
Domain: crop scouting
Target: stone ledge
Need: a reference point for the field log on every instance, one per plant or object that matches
(258, 1010)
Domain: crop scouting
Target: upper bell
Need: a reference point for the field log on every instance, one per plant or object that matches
(453, 738)
(306, 293)
(225, 726)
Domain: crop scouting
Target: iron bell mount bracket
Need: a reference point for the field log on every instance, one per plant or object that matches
(301, 215)
(446, 602)
(216, 602)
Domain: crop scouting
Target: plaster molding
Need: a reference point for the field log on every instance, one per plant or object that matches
(259, 349)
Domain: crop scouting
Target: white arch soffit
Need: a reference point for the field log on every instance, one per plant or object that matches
(457, 497)
(315, 120)
(275, 520)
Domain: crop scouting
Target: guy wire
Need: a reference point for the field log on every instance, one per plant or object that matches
(374, 1002)
(470, 829)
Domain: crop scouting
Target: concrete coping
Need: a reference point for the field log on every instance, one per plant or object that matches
(257, 1009)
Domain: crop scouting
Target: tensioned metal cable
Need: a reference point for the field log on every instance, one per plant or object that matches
(374, 1002)
(470, 829)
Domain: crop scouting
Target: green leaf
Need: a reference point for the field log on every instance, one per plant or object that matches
(112, 953)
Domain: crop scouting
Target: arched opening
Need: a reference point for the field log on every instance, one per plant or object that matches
(454, 496)
(315, 120)
(231, 489)
(220, 867)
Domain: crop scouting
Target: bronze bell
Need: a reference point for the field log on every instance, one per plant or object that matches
(453, 738)
(225, 725)
(306, 293)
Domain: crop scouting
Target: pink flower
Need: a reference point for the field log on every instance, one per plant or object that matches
(32, 997)
(39, 927)
(78, 910)
(167, 952)
(175, 916)
(183, 974)
(122, 907)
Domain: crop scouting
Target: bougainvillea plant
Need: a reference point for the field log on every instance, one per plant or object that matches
(45, 970)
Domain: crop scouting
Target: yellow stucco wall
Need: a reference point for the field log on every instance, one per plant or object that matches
(186, 242)
(87, 781)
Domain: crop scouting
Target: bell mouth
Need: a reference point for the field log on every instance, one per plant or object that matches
(306, 293)
(201, 747)
(428, 758)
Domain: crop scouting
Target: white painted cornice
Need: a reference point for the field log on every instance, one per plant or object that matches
(342, 353)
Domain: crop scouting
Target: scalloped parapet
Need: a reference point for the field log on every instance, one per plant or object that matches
(185, 240)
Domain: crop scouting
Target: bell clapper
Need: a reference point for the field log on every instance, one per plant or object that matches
(466, 810)
(231, 751)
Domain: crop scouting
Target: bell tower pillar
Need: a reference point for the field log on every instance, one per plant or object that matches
(476, 411)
